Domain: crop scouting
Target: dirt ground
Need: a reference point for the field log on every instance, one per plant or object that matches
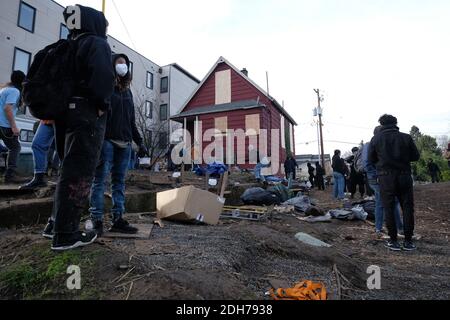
(237, 259)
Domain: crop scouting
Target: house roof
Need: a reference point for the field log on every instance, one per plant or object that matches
(239, 105)
(182, 70)
(223, 60)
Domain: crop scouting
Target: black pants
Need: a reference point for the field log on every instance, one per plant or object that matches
(356, 180)
(290, 174)
(311, 179)
(398, 185)
(320, 182)
(79, 139)
(12, 143)
(435, 177)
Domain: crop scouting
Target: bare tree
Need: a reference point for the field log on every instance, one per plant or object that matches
(443, 142)
(154, 131)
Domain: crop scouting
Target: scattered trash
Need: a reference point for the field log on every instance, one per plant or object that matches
(284, 209)
(306, 290)
(159, 223)
(314, 211)
(307, 239)
(242, 215)
(259, 196)
(312, 219)
(189, 204)
(356, 213)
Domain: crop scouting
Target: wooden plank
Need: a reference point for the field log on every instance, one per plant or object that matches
(144, 231)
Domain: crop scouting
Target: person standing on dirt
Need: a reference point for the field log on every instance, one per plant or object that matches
(43, 139)
(392, 152)
(80, 133)
(434, 171)
(356, 179)
(290, 167)
(311, 173)
(9, 132)
(320, 173)
(340, 170)
(121, 131)
(372, 180)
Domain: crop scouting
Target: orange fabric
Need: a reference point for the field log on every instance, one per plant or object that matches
(306, 290)
(47, 122)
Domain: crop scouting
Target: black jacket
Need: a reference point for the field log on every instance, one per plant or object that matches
(121, 123)
(393, 151)
(290, 165)
(93, 59)
(339, 165)
(319, 170)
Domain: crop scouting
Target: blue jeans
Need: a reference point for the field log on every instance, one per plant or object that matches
(114, 161)
(379, 210)
(42, 141)
(339, 185)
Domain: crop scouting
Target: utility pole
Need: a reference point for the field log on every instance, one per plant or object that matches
(103, 6)
(319, 112)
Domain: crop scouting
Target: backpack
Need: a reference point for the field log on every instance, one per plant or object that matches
(358, 164)
(50, 82)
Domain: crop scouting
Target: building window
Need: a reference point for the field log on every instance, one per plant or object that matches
(252, 124)
(22, 60)
(163, 112)
(27, 17)
(149, 80)
(164, 85)
(163, 140)
(149, 109)
(63, 32)
(221, 124)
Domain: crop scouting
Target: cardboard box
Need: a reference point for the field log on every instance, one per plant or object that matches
(189, 204)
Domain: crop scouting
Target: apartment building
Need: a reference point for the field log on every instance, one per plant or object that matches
(28, 26)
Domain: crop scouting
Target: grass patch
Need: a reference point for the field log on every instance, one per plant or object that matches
(42, 274)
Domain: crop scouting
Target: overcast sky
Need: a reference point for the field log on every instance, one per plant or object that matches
(369, 57)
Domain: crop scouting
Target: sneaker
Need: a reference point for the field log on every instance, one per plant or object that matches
(37, 182)
(393, 246)
(122, 226)
(409, 246)
(63, 242)
(48, 230)
(379, 234)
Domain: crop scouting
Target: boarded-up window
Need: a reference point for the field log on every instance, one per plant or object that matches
(252, 124)
(221, 124)
(223, 87)
(291, 134)
(282, 133)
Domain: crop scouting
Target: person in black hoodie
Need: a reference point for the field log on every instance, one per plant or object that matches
(340, 170)
(121, 131)
(320, 173)
(392, 152)
(79, 135)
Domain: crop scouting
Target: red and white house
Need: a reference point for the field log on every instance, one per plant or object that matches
(227, 99)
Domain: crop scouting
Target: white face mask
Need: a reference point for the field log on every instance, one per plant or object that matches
(121, 69)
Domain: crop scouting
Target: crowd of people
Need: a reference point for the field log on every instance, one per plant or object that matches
(93, 137)
(384, 164)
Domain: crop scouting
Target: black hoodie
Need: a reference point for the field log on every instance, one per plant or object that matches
(393, 151)
(93, 59)
(121, 123)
